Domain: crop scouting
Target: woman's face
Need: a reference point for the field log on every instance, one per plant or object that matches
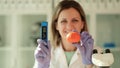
(69, 20)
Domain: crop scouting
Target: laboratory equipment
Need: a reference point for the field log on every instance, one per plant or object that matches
(44, 31)
(104, 59)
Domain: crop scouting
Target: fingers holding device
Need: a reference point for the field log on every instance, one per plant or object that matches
(43, 50)
(42, 54)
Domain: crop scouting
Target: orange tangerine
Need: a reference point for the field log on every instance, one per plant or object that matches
(73, 37)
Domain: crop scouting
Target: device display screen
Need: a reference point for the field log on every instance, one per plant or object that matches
(44, 31)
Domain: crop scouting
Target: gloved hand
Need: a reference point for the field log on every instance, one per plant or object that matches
(85, 47)
(42, 54)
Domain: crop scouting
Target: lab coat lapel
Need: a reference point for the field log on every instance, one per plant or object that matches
(75, 57)
(61, 57)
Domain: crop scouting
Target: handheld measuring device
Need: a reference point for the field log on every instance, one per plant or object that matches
(44, 31)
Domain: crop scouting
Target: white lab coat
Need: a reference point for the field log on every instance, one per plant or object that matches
(58, 59)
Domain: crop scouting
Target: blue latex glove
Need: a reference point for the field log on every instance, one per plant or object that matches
(42, 54)
(85, 47)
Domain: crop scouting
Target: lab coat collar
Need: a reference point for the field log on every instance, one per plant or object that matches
(62, 57)
(75, 57)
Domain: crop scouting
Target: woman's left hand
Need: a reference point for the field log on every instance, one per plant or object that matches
(85, 47)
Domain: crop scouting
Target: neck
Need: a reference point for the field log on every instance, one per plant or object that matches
(68, 46)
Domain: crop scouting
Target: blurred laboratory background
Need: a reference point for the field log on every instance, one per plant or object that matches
(20, 27)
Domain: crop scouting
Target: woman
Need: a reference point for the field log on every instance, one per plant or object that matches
(59, 53)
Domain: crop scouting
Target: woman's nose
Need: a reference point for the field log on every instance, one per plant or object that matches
(70, 26)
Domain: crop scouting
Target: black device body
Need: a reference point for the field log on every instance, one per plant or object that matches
(44, 31)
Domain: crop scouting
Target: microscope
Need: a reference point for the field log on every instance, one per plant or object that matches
(102, 60)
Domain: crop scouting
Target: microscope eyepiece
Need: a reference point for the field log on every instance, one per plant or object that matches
(107, 51)
(95, 51)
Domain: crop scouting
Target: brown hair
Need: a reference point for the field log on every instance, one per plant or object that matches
(65, 4)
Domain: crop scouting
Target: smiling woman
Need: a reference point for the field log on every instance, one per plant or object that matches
(68, 17)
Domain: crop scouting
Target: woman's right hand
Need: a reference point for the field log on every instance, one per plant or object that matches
(43, 54)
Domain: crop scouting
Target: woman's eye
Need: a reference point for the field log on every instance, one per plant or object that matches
(74, 20)
(64, 21)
